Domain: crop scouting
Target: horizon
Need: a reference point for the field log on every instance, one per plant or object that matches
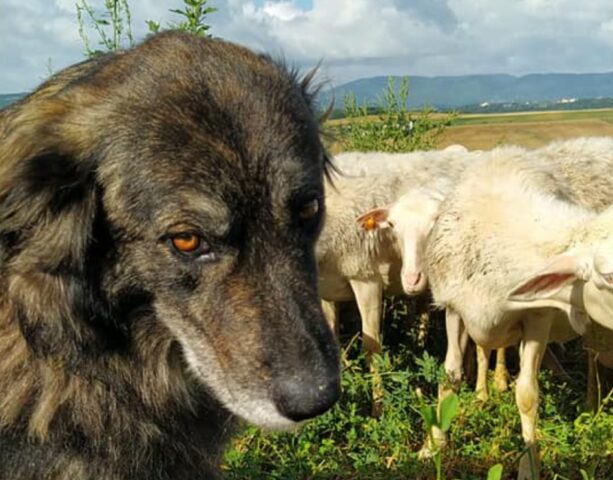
(409, 76)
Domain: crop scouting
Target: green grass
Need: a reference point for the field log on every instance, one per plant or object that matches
(535, 117)
(347, 443)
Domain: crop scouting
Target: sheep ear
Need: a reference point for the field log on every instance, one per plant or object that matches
(552, 287)
(563, 270)
(374, 219)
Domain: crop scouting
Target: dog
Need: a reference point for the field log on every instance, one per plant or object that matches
(158, 214)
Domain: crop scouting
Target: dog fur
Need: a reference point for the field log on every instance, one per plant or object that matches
(120, 357)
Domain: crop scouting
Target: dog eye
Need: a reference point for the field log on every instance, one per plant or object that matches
(189, 244)
(309, 210)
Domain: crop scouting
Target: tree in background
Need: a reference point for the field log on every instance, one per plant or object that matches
(395, 128)
(113, 25)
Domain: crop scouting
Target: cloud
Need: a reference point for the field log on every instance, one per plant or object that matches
(436, 12)
(31, 35)
(354, 38)
(332, 29)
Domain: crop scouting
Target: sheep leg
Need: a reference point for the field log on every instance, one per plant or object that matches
(591, 400)
(483, 364)
(423, 308)
(330, 310)
(457, 341)
(534, 342)
(368, 295)
(501, 374)
(550, 360)
(469, 366)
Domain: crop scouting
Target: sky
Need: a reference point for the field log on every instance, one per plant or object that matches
(352, 38)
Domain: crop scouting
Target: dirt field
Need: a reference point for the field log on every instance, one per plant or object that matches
(526, 129)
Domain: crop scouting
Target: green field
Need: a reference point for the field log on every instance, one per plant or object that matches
(605, 115)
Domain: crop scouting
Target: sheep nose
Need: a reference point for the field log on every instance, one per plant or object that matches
(299, 398)
(414, 283)
(412, 279)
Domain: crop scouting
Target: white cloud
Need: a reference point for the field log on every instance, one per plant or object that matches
(353, 37)
(283, 11)
(67, 6)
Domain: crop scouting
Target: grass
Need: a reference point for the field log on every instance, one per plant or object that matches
(346, 443)
(605, 114)
(529, 129)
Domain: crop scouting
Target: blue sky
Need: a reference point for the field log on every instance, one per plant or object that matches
(353, 38)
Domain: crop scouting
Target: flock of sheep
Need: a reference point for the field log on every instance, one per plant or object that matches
(516, 245)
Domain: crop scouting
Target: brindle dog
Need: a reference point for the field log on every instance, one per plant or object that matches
(158, 213)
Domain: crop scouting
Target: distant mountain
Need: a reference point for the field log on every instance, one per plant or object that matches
(455, 92)
(474, 92)
(7, 99)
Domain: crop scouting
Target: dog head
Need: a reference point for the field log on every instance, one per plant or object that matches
(184, 176)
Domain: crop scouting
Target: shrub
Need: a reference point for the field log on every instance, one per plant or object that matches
(394, 128)
(113, 24)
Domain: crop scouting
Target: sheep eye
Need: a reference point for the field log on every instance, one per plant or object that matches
(309, 210)
(188, 243)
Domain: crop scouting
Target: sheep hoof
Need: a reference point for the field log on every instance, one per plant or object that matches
(426, 452)
(437, 443)
(377, 408)
(482, 395)
(529, 466)
(501, 383)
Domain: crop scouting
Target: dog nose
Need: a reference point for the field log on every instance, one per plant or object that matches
(300, 398)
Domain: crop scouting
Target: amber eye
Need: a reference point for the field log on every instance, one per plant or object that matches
(186, 242)
(309, 210)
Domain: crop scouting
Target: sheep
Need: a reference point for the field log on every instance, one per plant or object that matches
(410, 218)
(365, 263)
(509, 213)
(422, 165)
(345, 253)
(584, 164)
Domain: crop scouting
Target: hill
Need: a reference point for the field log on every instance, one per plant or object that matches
(460, 91)
(7, 99)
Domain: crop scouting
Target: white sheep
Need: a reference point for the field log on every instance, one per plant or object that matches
(509, 213)
(364, 263)
(386, 193)
(410, 219)
(584, 166)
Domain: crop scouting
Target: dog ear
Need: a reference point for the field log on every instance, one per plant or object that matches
(48, 210)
